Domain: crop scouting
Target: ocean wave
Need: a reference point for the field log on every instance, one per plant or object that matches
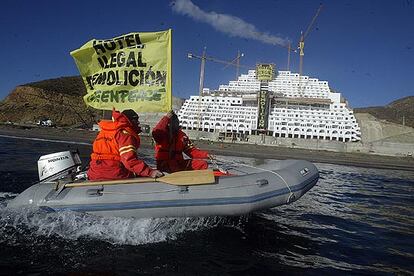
(114, 230)
(7, 195)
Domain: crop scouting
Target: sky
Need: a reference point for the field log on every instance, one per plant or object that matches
(364, 49)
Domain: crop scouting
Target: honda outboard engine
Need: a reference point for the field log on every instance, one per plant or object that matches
(58, 165)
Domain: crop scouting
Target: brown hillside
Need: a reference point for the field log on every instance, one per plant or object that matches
(57, 99)
(393, 112)
(60, 100)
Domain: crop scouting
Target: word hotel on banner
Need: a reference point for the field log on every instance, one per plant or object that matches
(120, 59)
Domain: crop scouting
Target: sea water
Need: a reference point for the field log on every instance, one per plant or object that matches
(354, 221)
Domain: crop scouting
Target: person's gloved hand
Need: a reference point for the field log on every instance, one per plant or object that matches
(156, 173)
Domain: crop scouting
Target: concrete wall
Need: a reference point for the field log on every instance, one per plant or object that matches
(378, 137)
(373, 129)
(382, 137)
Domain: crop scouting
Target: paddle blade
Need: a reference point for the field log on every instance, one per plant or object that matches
(183, 178)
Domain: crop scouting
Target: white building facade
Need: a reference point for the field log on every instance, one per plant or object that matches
(300, 107)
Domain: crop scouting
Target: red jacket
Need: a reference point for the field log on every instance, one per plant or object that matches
(173, 149)
(115, 148)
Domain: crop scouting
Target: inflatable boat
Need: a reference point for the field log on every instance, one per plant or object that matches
(242, 189)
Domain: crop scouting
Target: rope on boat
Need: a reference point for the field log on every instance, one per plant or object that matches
(291, 194)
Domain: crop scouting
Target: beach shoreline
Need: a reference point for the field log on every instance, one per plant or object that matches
(226, 149)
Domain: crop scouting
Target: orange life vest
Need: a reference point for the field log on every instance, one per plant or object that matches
(105, 146)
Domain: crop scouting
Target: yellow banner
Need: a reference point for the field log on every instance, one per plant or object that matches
(265, 72)
(131, 71)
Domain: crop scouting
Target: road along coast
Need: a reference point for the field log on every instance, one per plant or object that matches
(227, 149)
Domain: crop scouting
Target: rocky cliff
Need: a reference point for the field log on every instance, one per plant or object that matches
(57, 99)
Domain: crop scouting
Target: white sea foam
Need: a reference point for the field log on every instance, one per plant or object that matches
(7, 195)
(72, 226)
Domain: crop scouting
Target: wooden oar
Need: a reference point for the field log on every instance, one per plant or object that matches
(183, 178)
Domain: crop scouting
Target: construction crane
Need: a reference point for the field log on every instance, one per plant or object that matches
(204, 58)
(236, 62)
(288, 57)
(303, 35)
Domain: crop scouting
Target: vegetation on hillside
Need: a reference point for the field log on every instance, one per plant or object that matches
(67, 85)
(57, 99)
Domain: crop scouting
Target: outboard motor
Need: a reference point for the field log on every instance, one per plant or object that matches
(58, 165)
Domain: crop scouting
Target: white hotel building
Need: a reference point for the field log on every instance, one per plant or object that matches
(300, 107)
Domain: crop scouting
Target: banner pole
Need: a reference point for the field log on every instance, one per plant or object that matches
(171, 63)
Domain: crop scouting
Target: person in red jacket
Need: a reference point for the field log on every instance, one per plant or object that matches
(115, 148)
(171, 143)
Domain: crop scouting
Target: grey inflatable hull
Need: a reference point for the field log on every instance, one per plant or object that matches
(247, 190)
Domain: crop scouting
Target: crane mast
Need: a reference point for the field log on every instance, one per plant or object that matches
(204, 58)
(302, 39)
(288, 57)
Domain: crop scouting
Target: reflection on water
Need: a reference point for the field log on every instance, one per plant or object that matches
(354, 221)
(357, 218)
